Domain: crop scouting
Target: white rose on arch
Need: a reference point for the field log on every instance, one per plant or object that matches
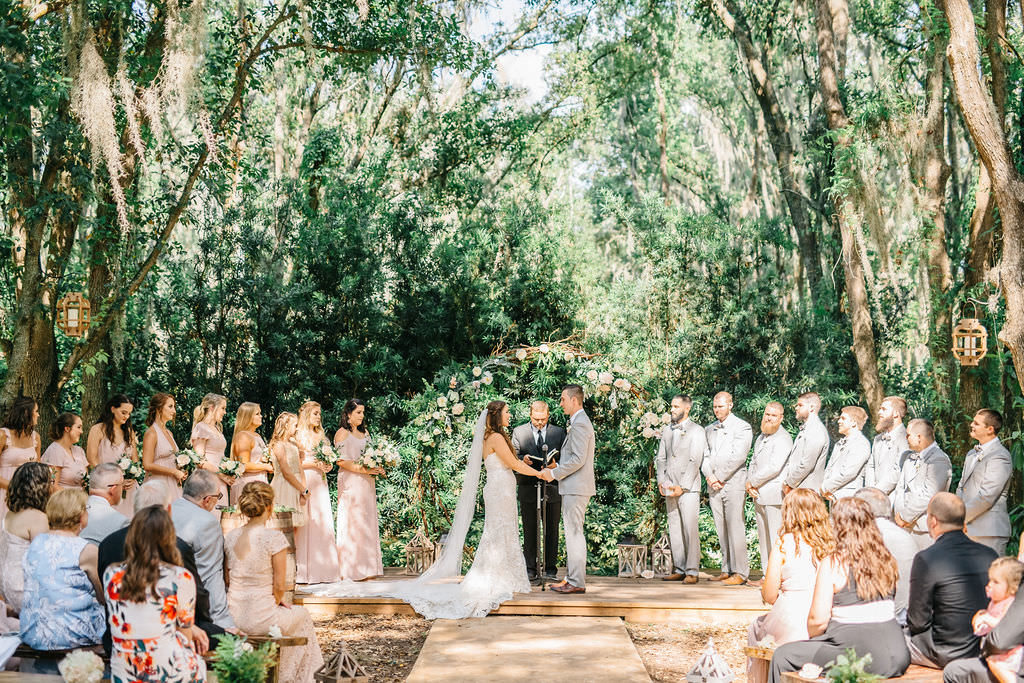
(604, 388)
(606, 378)
(521, 354)
(592, 375)
(488, 378)
(568, 356)
(458, 408)
(477, 371)
(442, 402)
(543, 348)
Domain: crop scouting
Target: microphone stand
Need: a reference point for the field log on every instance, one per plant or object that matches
(542, 499)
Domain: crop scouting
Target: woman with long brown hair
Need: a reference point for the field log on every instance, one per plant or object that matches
(19, 443)
(111, 439)
(852, 606)
(151, 602)
(158, 445)
(64, 455)
(805, 538)
(358, 528)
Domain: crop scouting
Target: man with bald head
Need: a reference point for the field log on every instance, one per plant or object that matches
(106, 482)
(926, 471)
(532, 441)
(806, 467)
(724, 468)
(947, 586)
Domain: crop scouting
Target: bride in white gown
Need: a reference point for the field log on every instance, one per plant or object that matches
(499, 569)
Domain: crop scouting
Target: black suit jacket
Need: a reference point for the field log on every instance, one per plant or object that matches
(947, 587)
(111, 551)
(524, 443)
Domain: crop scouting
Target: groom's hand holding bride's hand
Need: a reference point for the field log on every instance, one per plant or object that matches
(546, 475)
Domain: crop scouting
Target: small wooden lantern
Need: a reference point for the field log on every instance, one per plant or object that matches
(632, 557)
(661, 556)
(73, 314)
(341, 667)
(970, 341)
(419, 554)
(711, 667)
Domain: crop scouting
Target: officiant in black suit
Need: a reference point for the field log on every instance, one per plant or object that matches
(537, 438)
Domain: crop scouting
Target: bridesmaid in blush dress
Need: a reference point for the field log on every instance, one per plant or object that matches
(19, 443)
(358, 533)
(208, 440)
(316, 559)
(64, 456)
(248, 447)
(158, 446)
(289, 490)
(111, 438)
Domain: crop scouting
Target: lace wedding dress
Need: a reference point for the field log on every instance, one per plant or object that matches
(498, 570)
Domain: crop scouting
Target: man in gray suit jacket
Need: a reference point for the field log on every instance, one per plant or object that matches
(724, 468)
(106, 482)
(985, 483)
(765, 475)
(926, 471)
(844, 475)
(889, 446)
(575, 476)
(680, 454)
(806, 468)
(196, 524)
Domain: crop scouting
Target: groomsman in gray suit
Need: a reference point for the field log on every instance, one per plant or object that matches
(806, 468)
(844, 475)
(889, 447)
(985, 483)
(764, 477)
(680, 454)
(575, 476)
(196, 524)
(926, 471)
(724, 468)
(105, 486)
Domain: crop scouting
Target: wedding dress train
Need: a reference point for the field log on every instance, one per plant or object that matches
(498, 569)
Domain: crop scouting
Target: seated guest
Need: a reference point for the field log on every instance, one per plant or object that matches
(852, 605)
(27, 496)
(60, 610)
(151, 600)
(112, 551)
(1004, 577)
(1006, 636)
(197, 525)
(947, 587)
(106, 484)
(256, 559)
(899, 542)
(805, 539)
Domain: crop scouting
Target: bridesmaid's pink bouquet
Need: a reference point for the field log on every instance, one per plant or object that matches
(188, 460)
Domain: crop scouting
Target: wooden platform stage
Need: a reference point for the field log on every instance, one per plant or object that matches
(638, 600)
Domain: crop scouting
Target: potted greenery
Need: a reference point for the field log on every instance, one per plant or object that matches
(237, 661)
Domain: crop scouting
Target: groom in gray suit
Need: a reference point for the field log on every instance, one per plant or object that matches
(575, 477)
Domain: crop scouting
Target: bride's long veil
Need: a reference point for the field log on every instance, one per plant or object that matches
(450, 562)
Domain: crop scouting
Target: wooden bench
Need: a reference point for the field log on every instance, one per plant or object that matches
(25, 652)
(915, 674)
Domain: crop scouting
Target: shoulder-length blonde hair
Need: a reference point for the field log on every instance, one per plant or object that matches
(284, 422)
(859, 546)
(804, 515)
(243, 418)
(208, 404)
(309, 435)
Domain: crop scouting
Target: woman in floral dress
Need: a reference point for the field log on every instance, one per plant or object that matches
(151, 607)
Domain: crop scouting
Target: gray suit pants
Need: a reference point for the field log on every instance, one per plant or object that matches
(997, 543)
(970, 670)
(683, 532)
(769, 521)
(573, 510)
(727, 509)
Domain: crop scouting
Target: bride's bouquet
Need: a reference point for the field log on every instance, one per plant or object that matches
(383, 454)
(188, 460)
(231, 468)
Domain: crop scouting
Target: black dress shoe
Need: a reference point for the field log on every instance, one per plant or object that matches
(551, 576)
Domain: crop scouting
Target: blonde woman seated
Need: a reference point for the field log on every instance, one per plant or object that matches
(804, 539)
(853, 603)
(256, 560)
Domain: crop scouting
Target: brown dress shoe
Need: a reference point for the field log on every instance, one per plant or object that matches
(734, 580)
(690, 579)
(673, 577)
(721, 577)
(567, 588)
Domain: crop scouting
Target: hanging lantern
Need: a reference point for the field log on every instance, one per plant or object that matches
(661, 557)
(632, 557)
(73, 313)
(419, 554)
(970, 341)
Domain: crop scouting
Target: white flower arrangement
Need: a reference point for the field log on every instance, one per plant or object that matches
(521, 355)
(453, 397)
(592, 375)
(488, 378)
(81, 666)
(606, 377)
(442, 401)
(569, 356)
(231, 468)
(383, 453)
(623, 384)
(188, 460)
(458, 409)
(543, 348)
(132, 469)
(477, 371)
(666, 418)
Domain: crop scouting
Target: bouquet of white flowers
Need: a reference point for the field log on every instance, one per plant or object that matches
(325, 454)
(231, 468)
(132, 469)
(188, 460)
(383, 454)
(81, 666)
